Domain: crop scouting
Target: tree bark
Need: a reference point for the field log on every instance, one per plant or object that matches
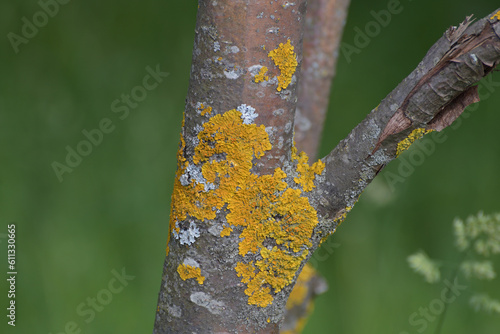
(232, 46)
(325, 20)
(247, 210)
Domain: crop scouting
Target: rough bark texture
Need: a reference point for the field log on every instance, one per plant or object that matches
(247, 211)
(232, 44)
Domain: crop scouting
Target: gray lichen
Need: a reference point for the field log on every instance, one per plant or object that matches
(205, 300)
(247, 113)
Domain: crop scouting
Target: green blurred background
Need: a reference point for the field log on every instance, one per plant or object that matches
(111, 212)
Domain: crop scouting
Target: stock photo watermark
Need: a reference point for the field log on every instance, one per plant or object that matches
(373, 28)
(421, 319)
(426, 146)
(31, 27)
(120, 106)
(88, 309)
(11, 273)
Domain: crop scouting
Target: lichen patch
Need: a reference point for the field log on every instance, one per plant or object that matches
(307, 173)
(286, 60)
(275, 219)
(406, 143)
(186, 271)
(261, 76)
(205, 300)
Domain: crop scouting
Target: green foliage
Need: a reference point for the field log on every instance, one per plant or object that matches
(477, 238)
(481, 232)
(478, 269)
(482, 302)
(423, 265)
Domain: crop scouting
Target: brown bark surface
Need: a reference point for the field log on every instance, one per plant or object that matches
(233, 41)
(325, 20)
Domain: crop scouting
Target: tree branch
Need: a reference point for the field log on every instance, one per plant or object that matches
(430, 98)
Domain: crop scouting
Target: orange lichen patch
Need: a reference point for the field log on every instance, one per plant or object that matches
(299, 292)
(325, 238)
(186, 271)
(276, 269)
(414, 135)
(298, 298)
(262, 75)
(267, 208)
(307, 173)
(497, 15)
(247, 271)
(181, 161)
(222, 135)
(226, 231)
(204, 111)
(286, 60)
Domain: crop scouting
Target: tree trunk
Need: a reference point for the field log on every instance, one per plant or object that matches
(248, 210)
(253, 126)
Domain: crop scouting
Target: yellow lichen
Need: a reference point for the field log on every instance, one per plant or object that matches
(267, 208)
(325, 238)
(299, 292)
(262, 75)
(497, 15)
(186, 271)
(406, 143)
(286, 60)
(181, 161)
(307, 173)
(226, 231)
(204, 111)
(298, 297)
